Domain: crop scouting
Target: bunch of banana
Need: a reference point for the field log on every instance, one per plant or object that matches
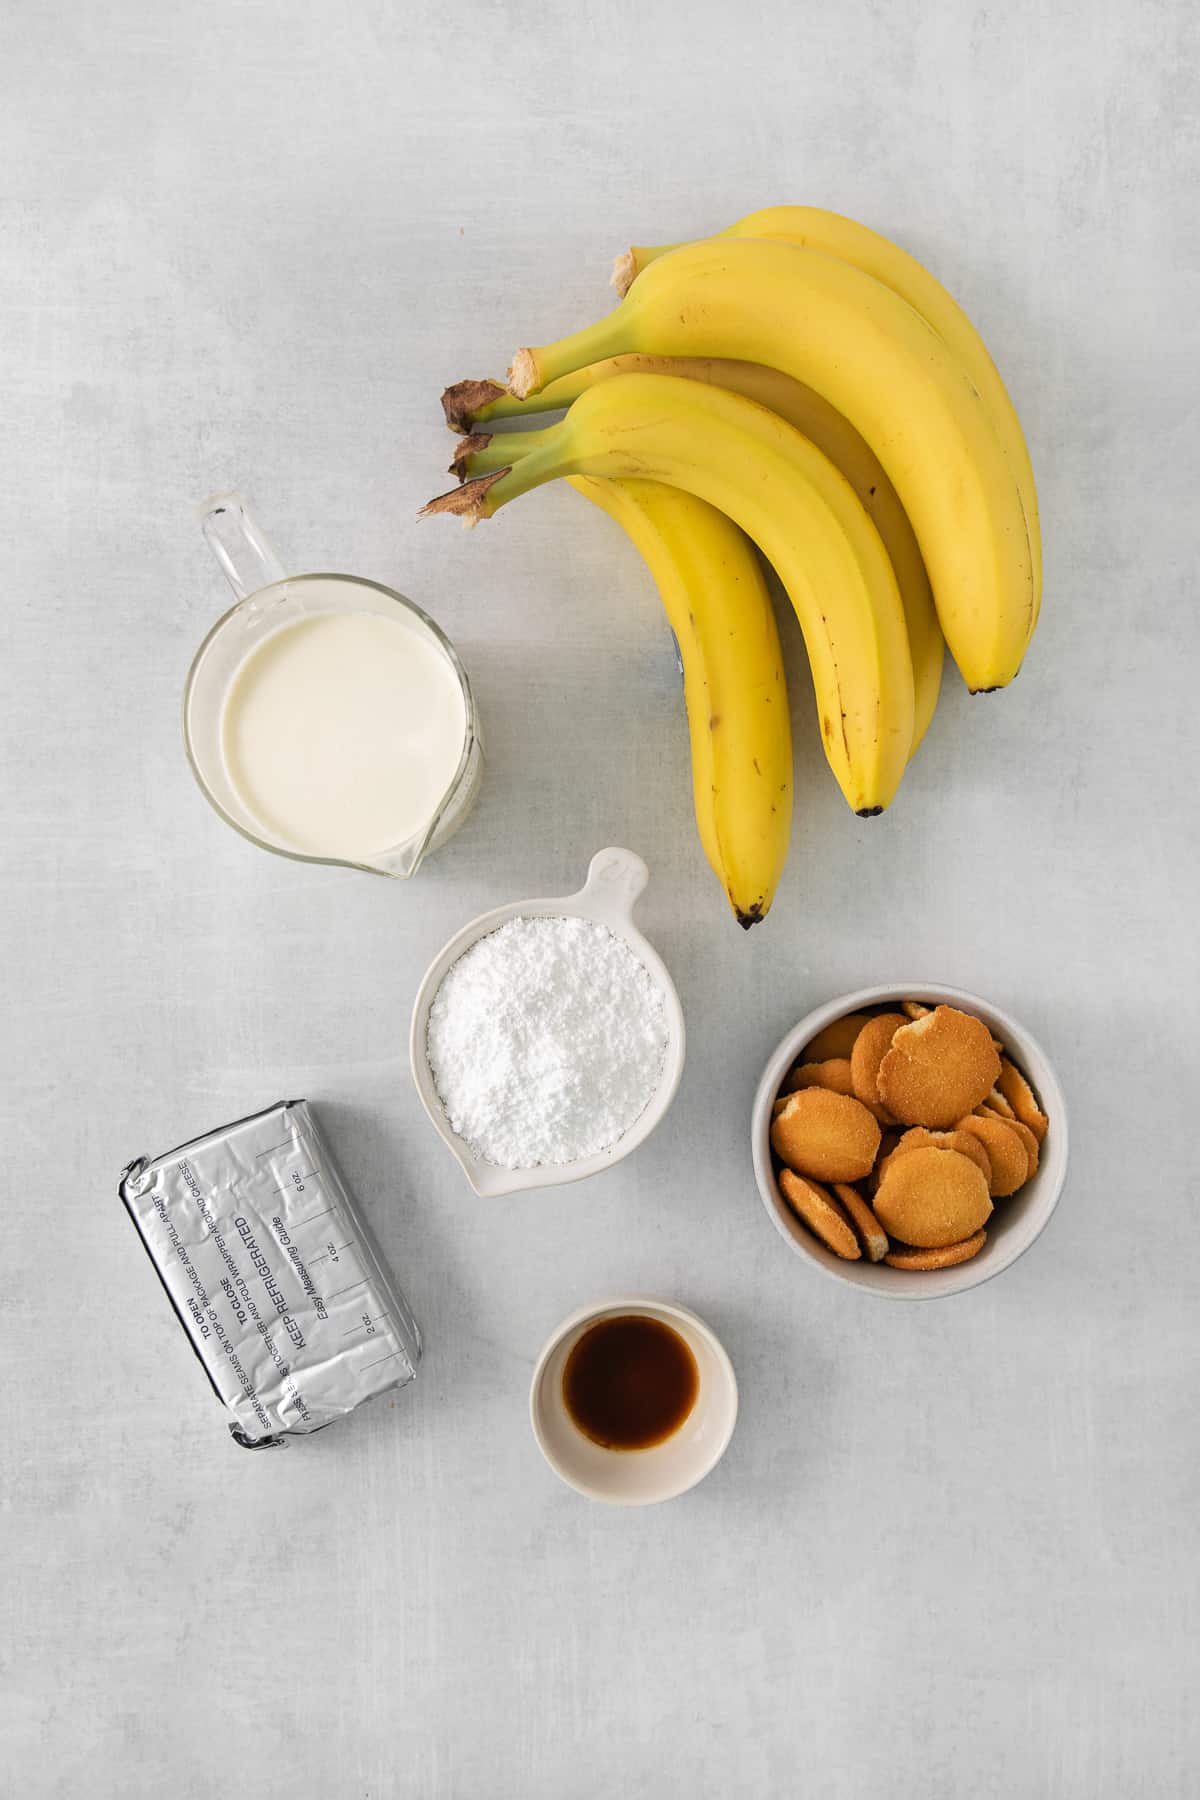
(471, 403)
(808, 381)
(788, 497)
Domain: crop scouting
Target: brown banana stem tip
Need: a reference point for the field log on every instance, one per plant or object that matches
(464, 399)
(465, 449)
(623, 271)
(467, 502)
(523, 376)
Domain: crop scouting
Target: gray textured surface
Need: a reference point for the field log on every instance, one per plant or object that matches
(952, 1550)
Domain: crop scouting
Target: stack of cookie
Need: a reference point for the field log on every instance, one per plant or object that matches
(896, 1131)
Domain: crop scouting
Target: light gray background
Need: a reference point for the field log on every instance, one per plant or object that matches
(952, 1549)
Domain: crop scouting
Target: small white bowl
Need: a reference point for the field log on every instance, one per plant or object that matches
(1015, 1223)
(635, 1477)
(615, 879)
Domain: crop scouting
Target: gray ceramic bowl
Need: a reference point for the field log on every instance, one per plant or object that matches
(1016, 1222)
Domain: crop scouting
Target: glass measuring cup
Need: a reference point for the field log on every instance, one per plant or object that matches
(267, 600)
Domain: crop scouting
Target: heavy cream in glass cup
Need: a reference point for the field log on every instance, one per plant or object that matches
(327, 718)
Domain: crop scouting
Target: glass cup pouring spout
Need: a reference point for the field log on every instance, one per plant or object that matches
(267, 600)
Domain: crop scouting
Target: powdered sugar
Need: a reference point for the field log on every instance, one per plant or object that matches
(546, 1042)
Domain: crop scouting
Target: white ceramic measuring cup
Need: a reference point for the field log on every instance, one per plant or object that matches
(268, 598)
(615, 879)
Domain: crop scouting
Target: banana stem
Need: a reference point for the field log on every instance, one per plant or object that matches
(481, 453)
(629, 265)
(507, 406)
(470, 403)
(484, 495)
(546, 462)
(465, 401)
(534, 369)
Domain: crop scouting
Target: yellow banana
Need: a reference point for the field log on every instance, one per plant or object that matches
(815, 229)
(717, 604)
(716, 601)
(804, 517)
(471, 401)
(878, 362)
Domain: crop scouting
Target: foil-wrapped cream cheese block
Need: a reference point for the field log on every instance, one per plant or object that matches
(274, 1274)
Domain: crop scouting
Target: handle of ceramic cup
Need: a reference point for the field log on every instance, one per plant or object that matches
(240, 545)
(615, 879)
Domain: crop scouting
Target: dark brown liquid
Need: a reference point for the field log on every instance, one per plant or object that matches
(630, 1382)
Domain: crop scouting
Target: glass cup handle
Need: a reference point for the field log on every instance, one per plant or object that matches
(239, 544)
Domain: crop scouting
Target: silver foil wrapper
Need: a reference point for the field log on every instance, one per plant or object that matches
(273, 1273)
